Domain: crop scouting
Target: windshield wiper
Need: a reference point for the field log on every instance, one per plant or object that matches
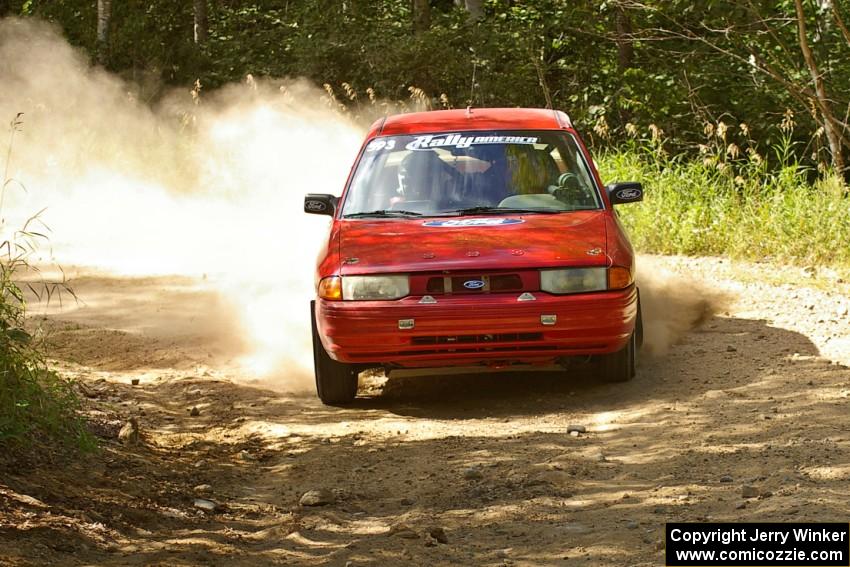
(383, 213)
(500, 210)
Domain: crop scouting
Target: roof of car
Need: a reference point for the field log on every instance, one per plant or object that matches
(471, 119)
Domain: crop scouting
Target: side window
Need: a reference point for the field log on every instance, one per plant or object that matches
(374, 184)
(581, 170)
(572, 184)
(532, 170)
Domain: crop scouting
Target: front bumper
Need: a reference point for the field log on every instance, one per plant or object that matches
(482, 329)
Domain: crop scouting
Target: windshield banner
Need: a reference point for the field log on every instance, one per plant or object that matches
(456, 140)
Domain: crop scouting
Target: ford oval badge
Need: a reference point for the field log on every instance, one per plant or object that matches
(629, 194)
(473, 284)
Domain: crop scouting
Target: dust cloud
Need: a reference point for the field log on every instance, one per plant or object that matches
(672, 304)
(202, 184)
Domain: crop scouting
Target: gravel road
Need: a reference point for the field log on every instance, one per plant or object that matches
(739, 412)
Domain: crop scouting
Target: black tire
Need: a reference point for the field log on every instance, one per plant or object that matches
(619, 366)
(336, 382)
(639, 326)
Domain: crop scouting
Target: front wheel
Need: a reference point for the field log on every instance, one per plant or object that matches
(336, 382)
(619, 366)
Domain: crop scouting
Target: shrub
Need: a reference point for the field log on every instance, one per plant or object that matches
(34, 400)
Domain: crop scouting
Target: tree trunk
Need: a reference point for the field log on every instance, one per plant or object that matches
(474, 7)
(830, 125)
(840, 21)
(625, 48)
(104, 17)
(201, 24)
(421, 15)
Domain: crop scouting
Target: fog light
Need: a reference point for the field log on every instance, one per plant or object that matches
(548, 319)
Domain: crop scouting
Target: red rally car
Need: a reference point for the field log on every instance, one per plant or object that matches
(473, 237)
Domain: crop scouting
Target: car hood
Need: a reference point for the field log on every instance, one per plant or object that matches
(472, 242)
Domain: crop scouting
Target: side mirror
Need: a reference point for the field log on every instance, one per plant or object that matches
(625, 192)
(320, 204)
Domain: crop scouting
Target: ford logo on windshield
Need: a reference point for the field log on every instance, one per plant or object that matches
(473, 284)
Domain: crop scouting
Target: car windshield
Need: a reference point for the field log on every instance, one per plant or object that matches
(471, 173)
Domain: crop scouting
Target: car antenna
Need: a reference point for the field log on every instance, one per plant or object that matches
(472, 86)
(381, 126)
(541, 79)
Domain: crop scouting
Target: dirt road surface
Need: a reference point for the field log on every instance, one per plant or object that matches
(745, 418)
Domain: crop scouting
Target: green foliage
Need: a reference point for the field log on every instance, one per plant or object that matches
(676, 63)
(34, 400)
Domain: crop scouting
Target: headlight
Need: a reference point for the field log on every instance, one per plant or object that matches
(574, 280)
(360, 288)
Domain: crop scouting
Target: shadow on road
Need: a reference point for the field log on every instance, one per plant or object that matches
(722, 353)
(486, 457)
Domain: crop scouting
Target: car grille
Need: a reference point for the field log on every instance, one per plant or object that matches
(457, 284)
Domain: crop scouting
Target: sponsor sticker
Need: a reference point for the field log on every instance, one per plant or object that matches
(473, 222)
(429, 141)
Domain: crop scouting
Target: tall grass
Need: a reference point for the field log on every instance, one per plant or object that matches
(729, 199)
(35, 402)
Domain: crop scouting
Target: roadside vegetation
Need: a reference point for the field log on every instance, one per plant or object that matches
(36, 403)
(734, 198)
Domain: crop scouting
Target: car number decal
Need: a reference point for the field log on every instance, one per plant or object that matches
(379, 144)
(472, 222)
